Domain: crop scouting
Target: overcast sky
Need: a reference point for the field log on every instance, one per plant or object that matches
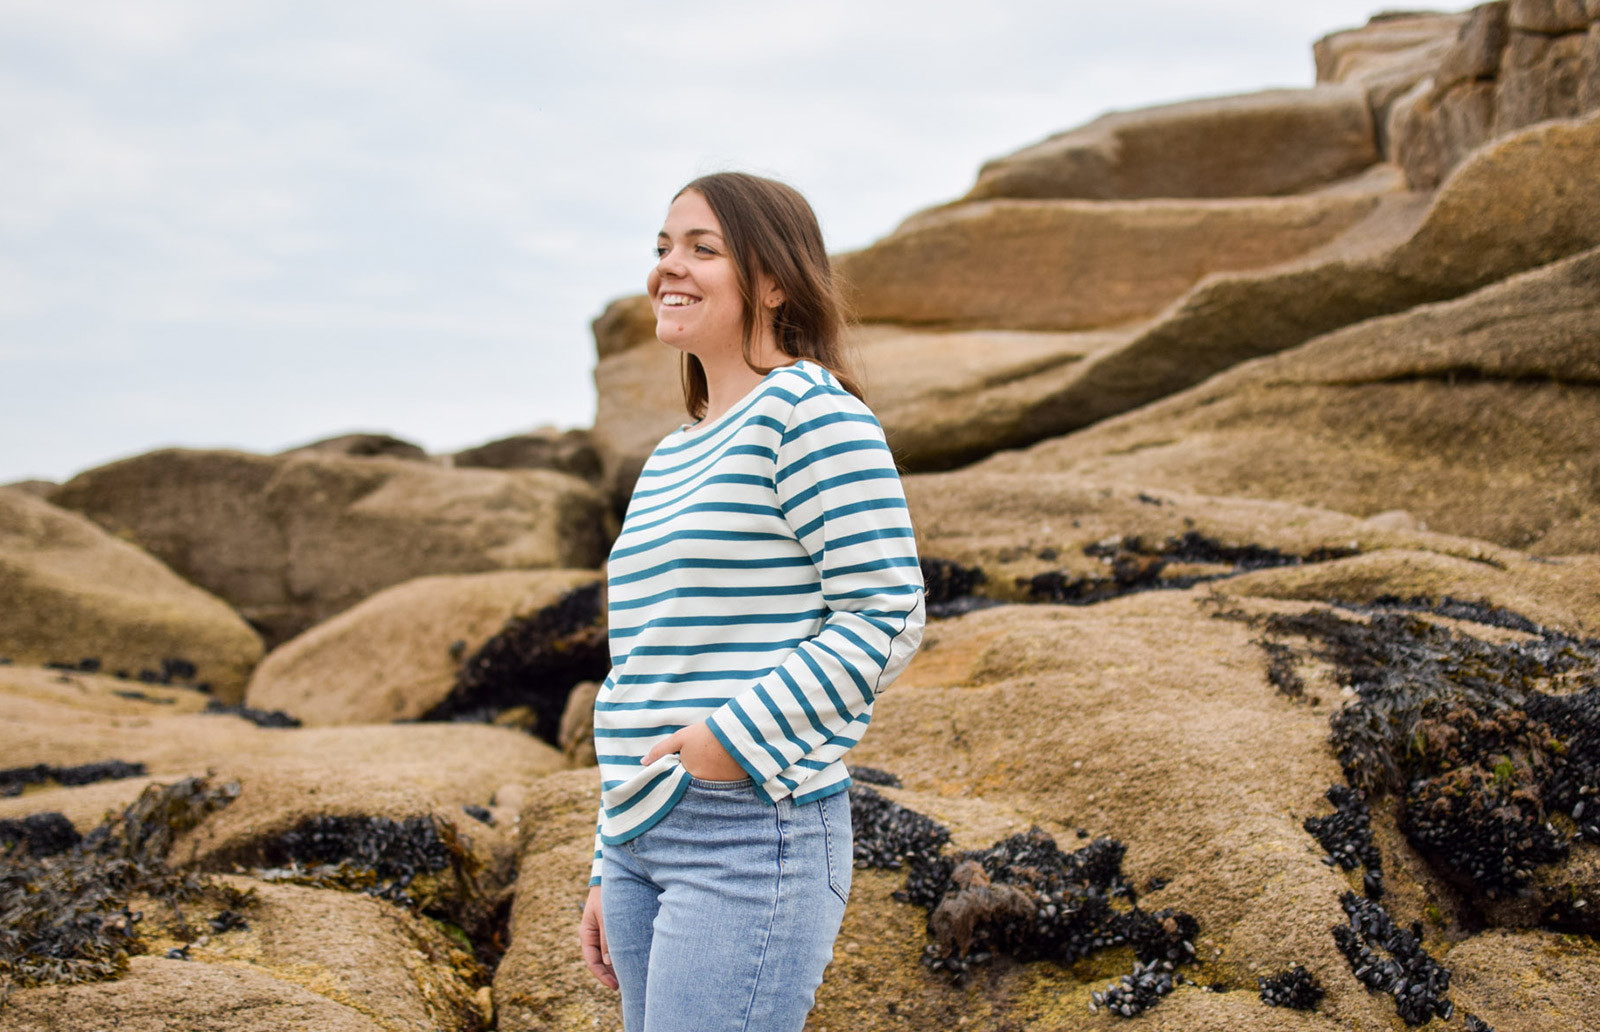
(254, 223)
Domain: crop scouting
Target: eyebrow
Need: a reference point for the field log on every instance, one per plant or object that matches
(692, 233)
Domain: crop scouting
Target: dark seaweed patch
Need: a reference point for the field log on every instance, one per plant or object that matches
(65, 918)
(1476, 1024)
(1023, 897)
(39, 834)
(1492, 749)
(1296, 989)
(479, 813)
(1417, 982)
(376, 854)
(533, 662)
(15, 779)
(950, 586)
(1346, 835)
(260, 718)
(874, 776)
(1137, 565)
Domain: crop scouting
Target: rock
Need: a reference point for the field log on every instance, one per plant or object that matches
(1476, 53)
(1388, 57)
(577, 725)
(37, 488)
(1069, 264)
(290, 541)
(943, 396)
(565, 451)
(1539, 80)
(364, 445)
(1252, 145)
(158, 995)
(1520, 202)
(1476, 415)
(74, 592)
(1431, 134)
(394, 656)
(1551, 17)
(626, 323)
(1527, 980)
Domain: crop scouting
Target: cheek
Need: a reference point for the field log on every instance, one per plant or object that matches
(651, 282)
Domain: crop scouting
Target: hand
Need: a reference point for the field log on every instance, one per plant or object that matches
(592, 937)
(700, 754)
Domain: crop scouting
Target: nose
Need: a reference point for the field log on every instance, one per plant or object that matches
(670, 264)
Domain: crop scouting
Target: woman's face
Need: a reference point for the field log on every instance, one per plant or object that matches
(694, 287)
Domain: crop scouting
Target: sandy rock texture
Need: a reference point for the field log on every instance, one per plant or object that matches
(71, 591)
(289, 541)
(1069, 264)
(396, 655)
(1251, 145)
(1435, 411)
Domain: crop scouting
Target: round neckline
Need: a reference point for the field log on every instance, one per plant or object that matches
(700, 427)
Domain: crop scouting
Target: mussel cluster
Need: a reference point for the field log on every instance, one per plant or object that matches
(1346, 835)
(14, 779)
(1023, 897)
(1296, 989)
(377, 854)
(1417, 982)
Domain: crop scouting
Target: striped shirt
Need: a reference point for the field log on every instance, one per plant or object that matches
(765, 582)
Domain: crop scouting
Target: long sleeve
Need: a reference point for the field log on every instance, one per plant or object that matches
(841, 495)
(594, 866)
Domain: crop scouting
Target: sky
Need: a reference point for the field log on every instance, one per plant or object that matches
(257, 223)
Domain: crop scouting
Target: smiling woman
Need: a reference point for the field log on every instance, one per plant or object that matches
(764, 589)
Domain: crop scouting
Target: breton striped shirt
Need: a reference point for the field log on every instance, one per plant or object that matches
(765, 581)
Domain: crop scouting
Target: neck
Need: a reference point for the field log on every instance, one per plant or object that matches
(728, 378)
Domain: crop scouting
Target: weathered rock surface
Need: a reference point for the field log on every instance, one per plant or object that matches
(290, 541)
(363, 445)
(1066, 265)
(1513, 64)
(1387, 56)
(70, 591)
(1105, 697)
(1478, 416)
(943, 397)
(395, 655)
(1521, 202)
(565, 451)
(160, 995)
(1253, 145)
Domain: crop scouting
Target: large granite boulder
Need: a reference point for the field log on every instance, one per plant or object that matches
(398, 654)
(1476, 415)
(362, 445)
(565, 451)
(1512, 65)
(1252, 145)
(1522, 201)
(1071, 264)
(291, 540)
(1146, 718)
(73, 592)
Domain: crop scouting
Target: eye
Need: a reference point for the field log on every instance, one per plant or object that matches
(661, 251)
(704, 249)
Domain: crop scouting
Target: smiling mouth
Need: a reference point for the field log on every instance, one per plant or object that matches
(678, 300)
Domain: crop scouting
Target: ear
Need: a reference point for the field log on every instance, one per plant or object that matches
(771, 296)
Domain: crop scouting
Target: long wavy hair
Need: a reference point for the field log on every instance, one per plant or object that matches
(770, 229)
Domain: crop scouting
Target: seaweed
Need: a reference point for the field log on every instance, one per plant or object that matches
(39, 834)
(533, 662)
(1138, 565)
(374, 854)
(950, 587)
(874, 776)
(66, 917)
(15, 779)
(260, 718)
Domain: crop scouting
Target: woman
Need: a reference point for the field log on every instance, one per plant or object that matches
(763, 589)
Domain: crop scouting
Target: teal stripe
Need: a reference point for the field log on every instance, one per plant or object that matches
(779, 761)
(817, 455)
(881, 534)
(797, 432)
(888, 589)
(696, 534)
(805, 704)
(771, 590)
(651, 821)
(637, 732)
(738, 449)
(798, 617)
(748, 479)
(739, 507)
(735, 424)
(858, 477)
(727, 646)
(850, 669)
(639, 796)
(873, 654)
(780, 719)
(775, 563)
(849, 510)
(651, 704)
(688, 676)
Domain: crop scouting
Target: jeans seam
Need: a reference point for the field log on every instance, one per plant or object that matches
(772, 923)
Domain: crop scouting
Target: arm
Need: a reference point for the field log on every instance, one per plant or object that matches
(841, 495)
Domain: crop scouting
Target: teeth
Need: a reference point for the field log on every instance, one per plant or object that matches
(677, 300)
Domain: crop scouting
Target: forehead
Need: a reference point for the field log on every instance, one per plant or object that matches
(690, 215)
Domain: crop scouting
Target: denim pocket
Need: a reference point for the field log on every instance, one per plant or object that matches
(838, 844)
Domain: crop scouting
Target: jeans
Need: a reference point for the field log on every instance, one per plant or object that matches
(721, 917)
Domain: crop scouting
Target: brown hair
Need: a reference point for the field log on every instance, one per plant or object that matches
(769, 228)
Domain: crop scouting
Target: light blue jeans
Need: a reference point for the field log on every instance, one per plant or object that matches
(721, 917)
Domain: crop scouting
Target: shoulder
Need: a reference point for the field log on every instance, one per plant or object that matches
(817, 394)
